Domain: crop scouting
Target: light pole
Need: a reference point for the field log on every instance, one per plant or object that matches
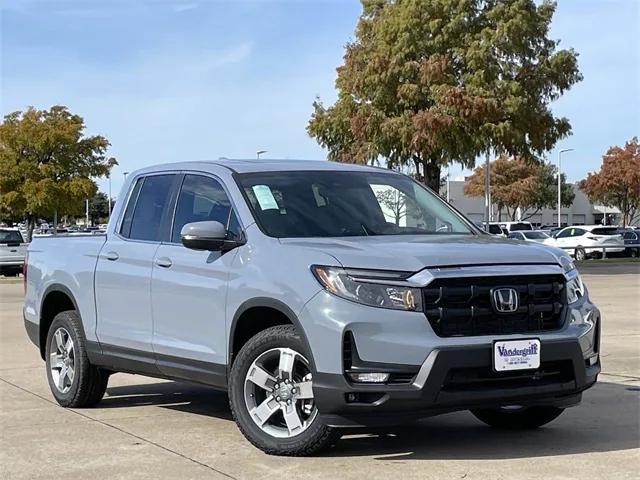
(448, 184)
(260, 152)
(109, 201)
(559, 181)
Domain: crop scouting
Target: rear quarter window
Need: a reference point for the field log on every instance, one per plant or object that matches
(605, 231)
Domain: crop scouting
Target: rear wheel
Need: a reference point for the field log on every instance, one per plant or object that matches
(271, 395)
(73, 381)
(518, 417)
(580, 254)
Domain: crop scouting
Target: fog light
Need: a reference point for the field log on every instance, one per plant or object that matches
(369, 377)
(593, 360)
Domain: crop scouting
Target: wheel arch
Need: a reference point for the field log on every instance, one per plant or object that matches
(55, 299)
(241, 329)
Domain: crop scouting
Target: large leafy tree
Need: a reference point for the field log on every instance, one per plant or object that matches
(428, 82)
(617, 184)
(520, 184)
(47, 164)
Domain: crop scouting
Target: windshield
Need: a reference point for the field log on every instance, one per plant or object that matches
(342, 204)
(520, 226)
(535, 235)
(10, 236)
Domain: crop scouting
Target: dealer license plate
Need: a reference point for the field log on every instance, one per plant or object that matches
(516, 354)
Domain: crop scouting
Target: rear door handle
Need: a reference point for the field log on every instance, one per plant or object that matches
(113, 256)
(163, 262)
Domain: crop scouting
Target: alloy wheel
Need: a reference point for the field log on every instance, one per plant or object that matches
(62, 360)
(278, 393)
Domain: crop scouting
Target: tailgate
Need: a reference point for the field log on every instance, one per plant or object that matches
(10, 253)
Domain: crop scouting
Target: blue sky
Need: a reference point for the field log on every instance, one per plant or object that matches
(172, 80)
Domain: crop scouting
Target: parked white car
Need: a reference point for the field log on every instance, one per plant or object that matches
(589, 240)
(537, 236)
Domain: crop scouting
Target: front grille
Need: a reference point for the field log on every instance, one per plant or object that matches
(484, 378)
(463, 307)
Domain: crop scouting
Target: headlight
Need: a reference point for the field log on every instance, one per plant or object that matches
(575, 289)
(369, 287)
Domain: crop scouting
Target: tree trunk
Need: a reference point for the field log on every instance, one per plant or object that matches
(432, 175)
(31, 224)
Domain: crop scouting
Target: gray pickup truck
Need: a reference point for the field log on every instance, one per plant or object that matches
(321, 296)
(13, 249)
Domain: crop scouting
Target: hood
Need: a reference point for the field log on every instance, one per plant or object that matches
(415, 252)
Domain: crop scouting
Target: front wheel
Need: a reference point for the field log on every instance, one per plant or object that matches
(518, 418)
(580, 254)
(271, 395)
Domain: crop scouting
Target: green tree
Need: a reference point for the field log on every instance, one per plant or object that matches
(98, 207)
(47, 165)
(520, 184)
(431, 82)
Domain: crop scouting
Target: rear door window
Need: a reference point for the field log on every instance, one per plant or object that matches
(150, 208)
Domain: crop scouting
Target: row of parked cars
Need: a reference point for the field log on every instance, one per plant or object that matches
(581, 241)
(13, 245)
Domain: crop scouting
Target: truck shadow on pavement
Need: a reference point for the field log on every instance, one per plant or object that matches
(607, 420)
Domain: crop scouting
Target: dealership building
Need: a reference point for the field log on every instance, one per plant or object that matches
(581, 212)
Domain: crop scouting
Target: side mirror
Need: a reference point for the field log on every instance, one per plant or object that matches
(209, 235)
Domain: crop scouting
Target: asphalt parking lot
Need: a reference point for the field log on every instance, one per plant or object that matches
(150, 429)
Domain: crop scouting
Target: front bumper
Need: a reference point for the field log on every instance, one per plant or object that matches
(444, 374)
(435, 389)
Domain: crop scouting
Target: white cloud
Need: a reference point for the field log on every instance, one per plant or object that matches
(183, 7)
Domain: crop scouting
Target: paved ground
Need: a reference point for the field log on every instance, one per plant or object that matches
(146, 428)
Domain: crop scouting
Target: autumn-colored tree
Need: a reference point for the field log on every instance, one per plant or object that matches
(47, 165)
(431, 82)
(520, 184)
(617, 184)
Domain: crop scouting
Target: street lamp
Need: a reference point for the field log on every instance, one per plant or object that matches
(559, 180)
(109, 202)
(260, 152)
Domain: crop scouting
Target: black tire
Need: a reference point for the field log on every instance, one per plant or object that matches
(580, 254)
(519, 419)
(316, 437)
(634, 252)
(89, 383)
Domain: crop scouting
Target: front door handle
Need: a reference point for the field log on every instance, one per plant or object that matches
(113, 256)
(163, 262)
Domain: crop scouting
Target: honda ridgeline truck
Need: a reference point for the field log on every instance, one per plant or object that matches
(319, 295)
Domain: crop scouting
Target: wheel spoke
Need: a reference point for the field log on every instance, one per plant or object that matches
(292, 419)
(285, 367)
(69, 344)
(59, 340)
(305, 390)
(61, 377)
(70, 373)
(265, 410)
(56, 360)
(261, 377)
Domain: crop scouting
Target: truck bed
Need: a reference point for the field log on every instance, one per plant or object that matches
(67, 262)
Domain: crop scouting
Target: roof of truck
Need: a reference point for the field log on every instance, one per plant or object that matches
(268, 165)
